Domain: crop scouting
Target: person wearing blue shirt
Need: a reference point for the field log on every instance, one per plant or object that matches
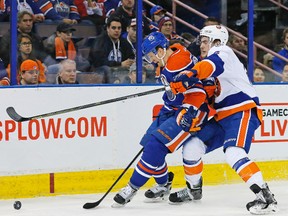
(278, 64)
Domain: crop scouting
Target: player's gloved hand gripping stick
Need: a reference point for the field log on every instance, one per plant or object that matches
(171, 96)
(187, 119)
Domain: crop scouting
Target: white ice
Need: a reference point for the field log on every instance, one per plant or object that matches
(219, 200)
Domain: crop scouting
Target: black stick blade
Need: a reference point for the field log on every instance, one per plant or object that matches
(91, 205)
(15, 116)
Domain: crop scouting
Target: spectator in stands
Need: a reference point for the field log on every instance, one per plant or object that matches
(110, 49)
(285, 74)
(2, 67)
(187, 38)
(131, 78)
(29, 72)
(25, 48)
(4, 80)
(131, 34)
(25, 25)
(278, 64)
(239, 44)
(110, 6)
(115, 80)
(267, 60)
(59, 11)
(67, 72)
(91, 11)
(258, 75)
(156, 13)
(28, 5)
(100, 7)
(211, 21)
(4, 14)
(60, 46)
(166, 28)
(126, 12)
(194, 47)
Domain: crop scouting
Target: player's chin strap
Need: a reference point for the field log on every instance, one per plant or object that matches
(162, 61)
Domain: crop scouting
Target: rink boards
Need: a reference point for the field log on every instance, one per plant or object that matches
(85, 151)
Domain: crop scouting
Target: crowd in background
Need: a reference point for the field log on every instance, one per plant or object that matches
(108, 56)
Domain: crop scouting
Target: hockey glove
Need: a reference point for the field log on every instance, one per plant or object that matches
(187, 119)
(183, 81)
(209, 85)
(178, 101)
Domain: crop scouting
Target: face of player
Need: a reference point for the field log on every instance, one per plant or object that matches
(114, 30)
(158, 58)
(30, 77)
(285, 73)
(25, 24)
(25, 46)
(204, 47)
(167, 28)
(68, 73)
(258, 75)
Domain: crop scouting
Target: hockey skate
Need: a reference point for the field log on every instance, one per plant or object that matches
(187, 194)
(158, 193)
(124, 196)
(264, 203)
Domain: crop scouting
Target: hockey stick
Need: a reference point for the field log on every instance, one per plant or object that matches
(18, 118)
(95, 204)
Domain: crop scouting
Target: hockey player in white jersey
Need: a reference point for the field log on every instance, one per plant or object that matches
(238, 114)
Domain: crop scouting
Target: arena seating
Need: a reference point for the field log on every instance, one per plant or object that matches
(83, 31)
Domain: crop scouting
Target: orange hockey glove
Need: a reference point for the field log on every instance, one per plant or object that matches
(183, 81)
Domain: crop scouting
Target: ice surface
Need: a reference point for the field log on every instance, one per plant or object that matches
(219, 200)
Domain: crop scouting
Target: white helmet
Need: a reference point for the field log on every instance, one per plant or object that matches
(214, 32)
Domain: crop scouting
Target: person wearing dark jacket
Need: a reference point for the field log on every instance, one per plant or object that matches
(110, 49)
(126, 12)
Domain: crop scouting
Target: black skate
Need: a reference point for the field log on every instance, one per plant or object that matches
(124, 196)
(187, 194)
(158, 192)
(264, 203)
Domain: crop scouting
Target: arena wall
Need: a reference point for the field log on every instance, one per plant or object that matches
(86, 150)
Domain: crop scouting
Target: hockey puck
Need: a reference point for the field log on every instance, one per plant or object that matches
(17, 205)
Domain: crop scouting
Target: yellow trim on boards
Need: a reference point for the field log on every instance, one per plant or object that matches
(27, 186)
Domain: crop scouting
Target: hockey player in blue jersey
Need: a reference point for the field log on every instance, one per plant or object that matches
(237, 114)
(180, 116)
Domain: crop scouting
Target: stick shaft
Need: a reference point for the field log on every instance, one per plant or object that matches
(124, 171)
(95, 204)
(21, 119)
